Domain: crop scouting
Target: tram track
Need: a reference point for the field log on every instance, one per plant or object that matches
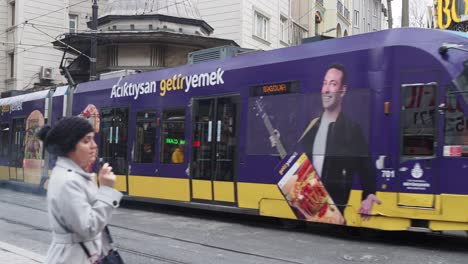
(129, 251)
(145, 233)
(417, 240)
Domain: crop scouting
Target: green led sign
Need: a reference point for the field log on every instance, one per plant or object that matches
(175, 141)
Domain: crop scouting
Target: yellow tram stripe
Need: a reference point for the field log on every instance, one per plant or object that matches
(202, 189)
(4, 173)
(446, 213)
(32, 176)
(224, 191)
(120, 183)
(420, 200)
(159, 187)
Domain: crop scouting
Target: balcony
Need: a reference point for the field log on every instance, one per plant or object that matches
(346, 13)
(342, 10)
(319, 2)
(298, 33)
(339, 7)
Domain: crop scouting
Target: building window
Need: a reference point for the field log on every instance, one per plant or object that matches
(356, 18)
(13, 13)
(112, 56)
(369, 29)
(261, 26)
(145, 137)
(376, 8)
(284, 30)
(11, 61)
(150, 27)
(132, 27)
(173, 136)
(157, 56)
(298, 33)
(73, 23)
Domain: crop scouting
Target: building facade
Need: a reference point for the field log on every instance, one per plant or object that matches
(27, 56)
(139, 35)
(147, 35)
(262, 24)
(368, 16)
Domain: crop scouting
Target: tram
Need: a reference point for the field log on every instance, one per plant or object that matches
(366, 131)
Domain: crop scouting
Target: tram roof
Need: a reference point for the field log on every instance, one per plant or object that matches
(426, 39)
(25, 97)
(61, 90)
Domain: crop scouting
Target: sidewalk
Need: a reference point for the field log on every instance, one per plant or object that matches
(14, 255)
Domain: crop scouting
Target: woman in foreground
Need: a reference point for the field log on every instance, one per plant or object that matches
(78, 209)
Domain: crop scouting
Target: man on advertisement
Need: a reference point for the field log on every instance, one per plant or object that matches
(337, 149)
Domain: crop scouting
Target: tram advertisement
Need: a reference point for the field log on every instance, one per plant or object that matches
(305, 192)
(325, 166)
(33, 159)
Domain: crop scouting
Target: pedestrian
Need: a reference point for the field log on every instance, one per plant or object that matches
(78, 209)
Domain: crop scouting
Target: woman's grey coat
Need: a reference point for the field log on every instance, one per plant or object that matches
(78, 212)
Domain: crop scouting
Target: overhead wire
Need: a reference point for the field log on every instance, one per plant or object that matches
(43, 15)
(68, 46)
(24, 50)
(53, 27)
(34, 25)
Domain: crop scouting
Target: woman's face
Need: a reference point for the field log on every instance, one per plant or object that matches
(85, 151)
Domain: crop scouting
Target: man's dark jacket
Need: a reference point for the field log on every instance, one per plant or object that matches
(346, 154)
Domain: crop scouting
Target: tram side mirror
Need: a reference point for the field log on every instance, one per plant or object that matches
(442, 108)
(446, 46)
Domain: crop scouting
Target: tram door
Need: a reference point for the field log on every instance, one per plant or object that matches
(114, 143)
(214, 150)
(417, 171)
(17, 149)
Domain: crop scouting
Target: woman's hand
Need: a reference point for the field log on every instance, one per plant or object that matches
(106, 176)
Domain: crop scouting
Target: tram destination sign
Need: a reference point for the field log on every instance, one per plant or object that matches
(274, 89)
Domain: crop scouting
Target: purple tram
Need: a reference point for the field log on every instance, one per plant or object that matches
(22, 158)
(367, 131)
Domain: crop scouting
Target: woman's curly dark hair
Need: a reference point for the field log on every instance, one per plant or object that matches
(63, 137)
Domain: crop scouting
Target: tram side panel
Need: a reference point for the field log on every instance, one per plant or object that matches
(415, 187)
(267, 178)
(57, 109)
(4, 142)
(31, 148)
(22, 155)
(296, 115)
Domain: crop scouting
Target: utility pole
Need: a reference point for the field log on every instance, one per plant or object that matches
(390, 15)
(405, 13)
(92, 60)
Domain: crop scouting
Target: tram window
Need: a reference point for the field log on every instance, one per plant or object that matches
(456, 122)
(173, 136)
(418, 120)
(418, 145)
(145, 137)
(4, 129)
(456, 117)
